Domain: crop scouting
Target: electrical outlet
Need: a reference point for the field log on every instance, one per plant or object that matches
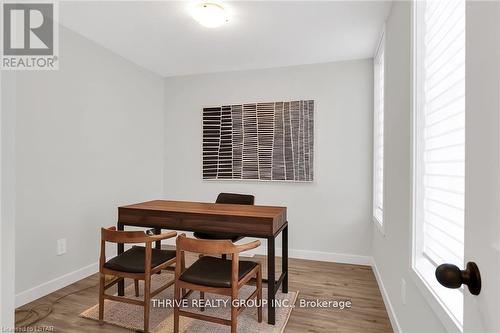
(61, 246)
(403, 291)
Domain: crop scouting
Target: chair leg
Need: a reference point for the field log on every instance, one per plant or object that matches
(147, 298)
(102, 281)
(183, 268)
(177, 299)
(136, 285)
(259, 294)
(234, 313)
(202, 298)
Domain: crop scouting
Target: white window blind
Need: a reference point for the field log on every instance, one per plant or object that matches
(440, 139)
(378, 132)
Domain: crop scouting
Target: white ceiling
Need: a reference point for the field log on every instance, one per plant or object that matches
(162, 37)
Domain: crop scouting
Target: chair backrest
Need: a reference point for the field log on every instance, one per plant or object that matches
(235, 199)
(212, 247)
(124, 237)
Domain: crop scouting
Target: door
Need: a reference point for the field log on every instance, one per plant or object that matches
(482, 163)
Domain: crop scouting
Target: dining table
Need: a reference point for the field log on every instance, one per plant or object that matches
(257, 221)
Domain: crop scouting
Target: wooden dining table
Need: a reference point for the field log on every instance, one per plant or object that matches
(265, 222)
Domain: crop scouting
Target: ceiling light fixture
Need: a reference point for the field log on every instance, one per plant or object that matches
(210, 15)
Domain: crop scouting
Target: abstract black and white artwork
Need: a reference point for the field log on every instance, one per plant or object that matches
(259, 141)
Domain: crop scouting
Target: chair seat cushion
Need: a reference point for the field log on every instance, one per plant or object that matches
(132, 260)
(214, 272)
(203, 235)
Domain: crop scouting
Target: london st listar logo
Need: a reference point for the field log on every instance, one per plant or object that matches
(30, 37)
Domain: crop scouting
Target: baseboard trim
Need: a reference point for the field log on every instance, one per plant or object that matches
(341, 258)
(48, 287)
(53, 285)
(385, 296)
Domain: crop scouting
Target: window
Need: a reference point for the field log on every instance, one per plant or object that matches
(378, 134)
(439, 145)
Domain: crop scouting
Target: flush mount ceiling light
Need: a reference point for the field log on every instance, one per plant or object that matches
(210, 15)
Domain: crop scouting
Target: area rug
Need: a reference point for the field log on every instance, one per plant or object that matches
(130, 316)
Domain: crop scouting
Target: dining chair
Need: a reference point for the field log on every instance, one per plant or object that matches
(217, 276)
(137, 263)
(227, 198)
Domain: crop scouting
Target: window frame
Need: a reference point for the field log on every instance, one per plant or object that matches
(377, 212)
(421, 270)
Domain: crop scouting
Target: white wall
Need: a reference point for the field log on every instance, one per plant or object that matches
(331, 215)
(7, 199)
(392, 252)
(89, 138)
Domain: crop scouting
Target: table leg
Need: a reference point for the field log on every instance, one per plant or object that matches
(284, 259)
(158, 243)
(120, 250)
(271, 319)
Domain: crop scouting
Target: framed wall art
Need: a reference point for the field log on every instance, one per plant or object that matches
(259, 141)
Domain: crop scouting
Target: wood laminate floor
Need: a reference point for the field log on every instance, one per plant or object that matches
(313, 279)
